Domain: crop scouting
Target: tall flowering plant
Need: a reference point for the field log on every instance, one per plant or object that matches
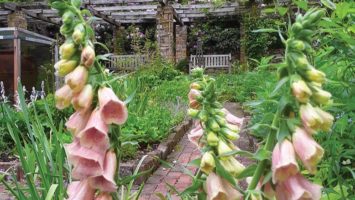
(214, 132)
(94, 152)
(299, 117)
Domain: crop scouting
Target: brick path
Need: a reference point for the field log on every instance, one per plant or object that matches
(183, 153)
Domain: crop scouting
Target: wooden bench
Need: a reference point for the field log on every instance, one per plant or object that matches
(126, 63)
(222, 61)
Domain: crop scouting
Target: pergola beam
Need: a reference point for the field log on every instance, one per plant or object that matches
(102, 15)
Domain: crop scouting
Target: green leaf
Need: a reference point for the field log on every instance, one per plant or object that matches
(329, 4)
(247, 172)
(282, 10)
(302, 4)
(59, 5)
(196, 185)
(51, 191)
(76, 3)
(262, 154)
(279, 85)
(223, 173)
(265, 30)
(195, 162)
(283, 131)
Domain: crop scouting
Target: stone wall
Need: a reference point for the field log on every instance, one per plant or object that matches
(181, 43)
(17, 19)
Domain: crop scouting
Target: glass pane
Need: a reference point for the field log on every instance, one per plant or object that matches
(36, 66)
(7, 65)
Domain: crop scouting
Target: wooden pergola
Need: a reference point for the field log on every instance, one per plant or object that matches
(117, 12)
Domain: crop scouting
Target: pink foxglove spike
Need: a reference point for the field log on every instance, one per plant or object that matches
(308, 150)
(94, 135)
(297, 188)
(105, 182)
(86, 162)
(77, 122)
(113, 110)
(284, 162)
(80, 190)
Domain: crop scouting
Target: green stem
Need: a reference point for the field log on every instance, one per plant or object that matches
(270, 141)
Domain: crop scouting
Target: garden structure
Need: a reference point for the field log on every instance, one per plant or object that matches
(22, 58)
(265, 130)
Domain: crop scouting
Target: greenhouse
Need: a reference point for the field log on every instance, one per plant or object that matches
(177, 99)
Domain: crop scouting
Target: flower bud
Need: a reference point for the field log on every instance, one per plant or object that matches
(193, 112)
(220, 120)
(203, 115)
(194, 104)
(88, 56)
(315, 75)
(320, 96)
(300, 60)
(222, 149)
(327, 119)
(195, 86)
(64, 67)
(296, 27)
(194, 95)
(63, 97)
(68, 17)
(213, 125)
(301, 91)
(79, 34)
(83, 100)
(232, 166)
(310, 117)
(77, 78)
(67, 50)
(231, 135)
(212, 139)
(207, 163)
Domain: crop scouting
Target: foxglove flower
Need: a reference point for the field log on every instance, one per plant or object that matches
(64, 67)
(77, 78)
(207, 163)
(320, 96)
(86, 162)
(232, 119)
(105, 182)
(194, 95)
(327, 119)
(315, 75)
(113, 110)
(310, 118)
(297, 188)
(195, 135)
(83, 100)
(87, 56)
(223, 148)
(232, 165)
(218, 188)
(77, 121)
(212, 138)
(80, 190)
(309, 151)
(284, 162)
(67, 50)
(63, 97)
(94, 134)
(301, 91)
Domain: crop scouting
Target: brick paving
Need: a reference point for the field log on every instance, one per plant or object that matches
(183, 153)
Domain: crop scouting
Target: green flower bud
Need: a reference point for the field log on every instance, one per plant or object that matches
(220, 112)
(300, 60)
(68, 17)
(195, 86)
(193, 112)
(65, 29)
(207, 163)
(67, 50)
(316, 16)
(233, 127)
(197, 72)
(320, 96)
(231, 135)
(212, 139)
(203, 115)
(297, 44)
(315, 75)
(220, 120)
(213, 125)
(64, 67)
(222, 149)
(79, 33)
(296, 27)
(231, 165)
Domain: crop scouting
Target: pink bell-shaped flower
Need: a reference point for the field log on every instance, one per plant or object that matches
(284, 162)
(195, 135)
(232, 119)
(113, 110)
(327, 119)
(308, 150)
(83, 100)
(77, 122)
(104, 196)
(301, 91)
(94, 134)
(193, 95)
(77, 78)
(80, 190)
(310, 118)
(63, 97)
(105, 182)
(297, 188)
(88, 56)
(218, 188)
(86, 162)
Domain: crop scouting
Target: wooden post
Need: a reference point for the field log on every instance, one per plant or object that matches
(243, 49)
(17, 60)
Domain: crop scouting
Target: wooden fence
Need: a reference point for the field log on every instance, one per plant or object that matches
(222, 61)
(126, 63)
